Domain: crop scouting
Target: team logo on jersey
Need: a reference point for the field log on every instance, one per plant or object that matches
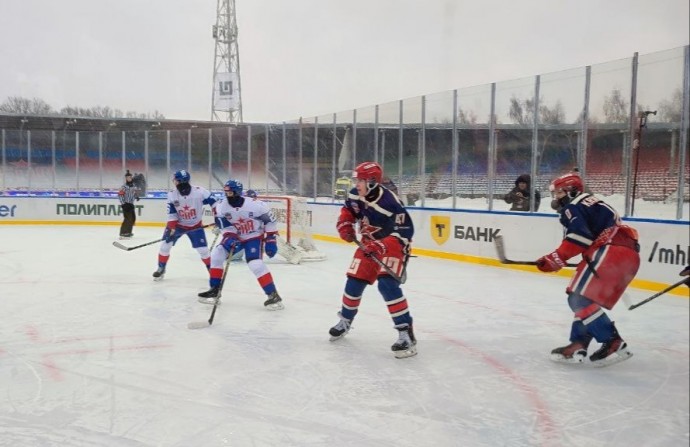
(440, 229)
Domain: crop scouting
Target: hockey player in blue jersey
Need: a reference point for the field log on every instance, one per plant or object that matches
(610, 260)
(386, 230)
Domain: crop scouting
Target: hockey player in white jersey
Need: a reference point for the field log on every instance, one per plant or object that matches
(246, 224)
(185, 209)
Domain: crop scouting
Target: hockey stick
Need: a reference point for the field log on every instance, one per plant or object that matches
(122, 247)
(204, 324)
(400, 279)
(658, 294)
(501, 252)
(213, 244)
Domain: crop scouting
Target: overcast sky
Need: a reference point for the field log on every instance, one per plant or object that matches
(310, 57)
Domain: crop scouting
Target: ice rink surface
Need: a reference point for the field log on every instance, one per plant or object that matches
(95, 353)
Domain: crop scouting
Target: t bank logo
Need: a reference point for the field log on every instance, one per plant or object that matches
(7, 211)
(440, 229)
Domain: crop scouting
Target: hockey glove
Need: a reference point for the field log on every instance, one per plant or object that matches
(230, 243)
(346, 225)
(218, 225)
(169, 235)
(374, 248)
(270, 245)
(346, 230)
(550, 263)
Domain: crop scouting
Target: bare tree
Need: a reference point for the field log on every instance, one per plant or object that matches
(466, 117)
(552, 115)
(522, 112)
(37, 106)
(19, 105)
(616, 108)
(670, 110)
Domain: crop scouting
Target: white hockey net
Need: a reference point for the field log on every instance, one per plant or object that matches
(294, 222)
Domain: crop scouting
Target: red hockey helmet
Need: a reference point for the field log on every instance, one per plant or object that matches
(570, 183)
(369, 171)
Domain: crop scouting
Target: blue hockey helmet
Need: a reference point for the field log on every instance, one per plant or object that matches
(251, 194)
(233, 185)
(182, 176)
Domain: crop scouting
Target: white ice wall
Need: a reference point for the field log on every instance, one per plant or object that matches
(665, 244)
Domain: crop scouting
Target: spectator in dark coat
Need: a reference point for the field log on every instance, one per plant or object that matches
(520, 196)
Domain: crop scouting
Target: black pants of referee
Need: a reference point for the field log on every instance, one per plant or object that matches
(130, 219)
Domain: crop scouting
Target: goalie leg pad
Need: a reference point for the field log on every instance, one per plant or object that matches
(290, 253)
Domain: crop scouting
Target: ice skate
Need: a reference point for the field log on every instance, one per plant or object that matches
(406, 346)
(341, 329)
(211, 296)
(126, 236)
(159, 274)
(611, 352)
(575, 352)
(274, 302)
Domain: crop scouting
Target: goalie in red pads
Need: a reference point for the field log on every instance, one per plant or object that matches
(610, 260)
(387, 231)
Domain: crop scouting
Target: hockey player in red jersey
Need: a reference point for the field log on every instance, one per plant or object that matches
(610, 260)
(387, 231)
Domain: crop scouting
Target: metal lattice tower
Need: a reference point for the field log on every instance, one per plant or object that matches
(226, 103)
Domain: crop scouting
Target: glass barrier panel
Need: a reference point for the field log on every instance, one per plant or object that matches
(179, 152)
(220, 156)
(474, 110)
(277, 135)
(515, 109)
(414, 184)
(113, 168)
(655, 164)
(438, 136)
(561, 105)
(89, 162)
(389, 144)
(17, 160)
(135, 160)
(160, 175)
(608, 131)
(365, 149)
(42, 174)
(328, 187)
(308, 147)
(345, 149)
(201, 175)
(66, 160)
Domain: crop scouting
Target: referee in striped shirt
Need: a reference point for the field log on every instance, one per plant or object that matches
(128, 193)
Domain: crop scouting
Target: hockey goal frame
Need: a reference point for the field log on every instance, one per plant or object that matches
(294, 224)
